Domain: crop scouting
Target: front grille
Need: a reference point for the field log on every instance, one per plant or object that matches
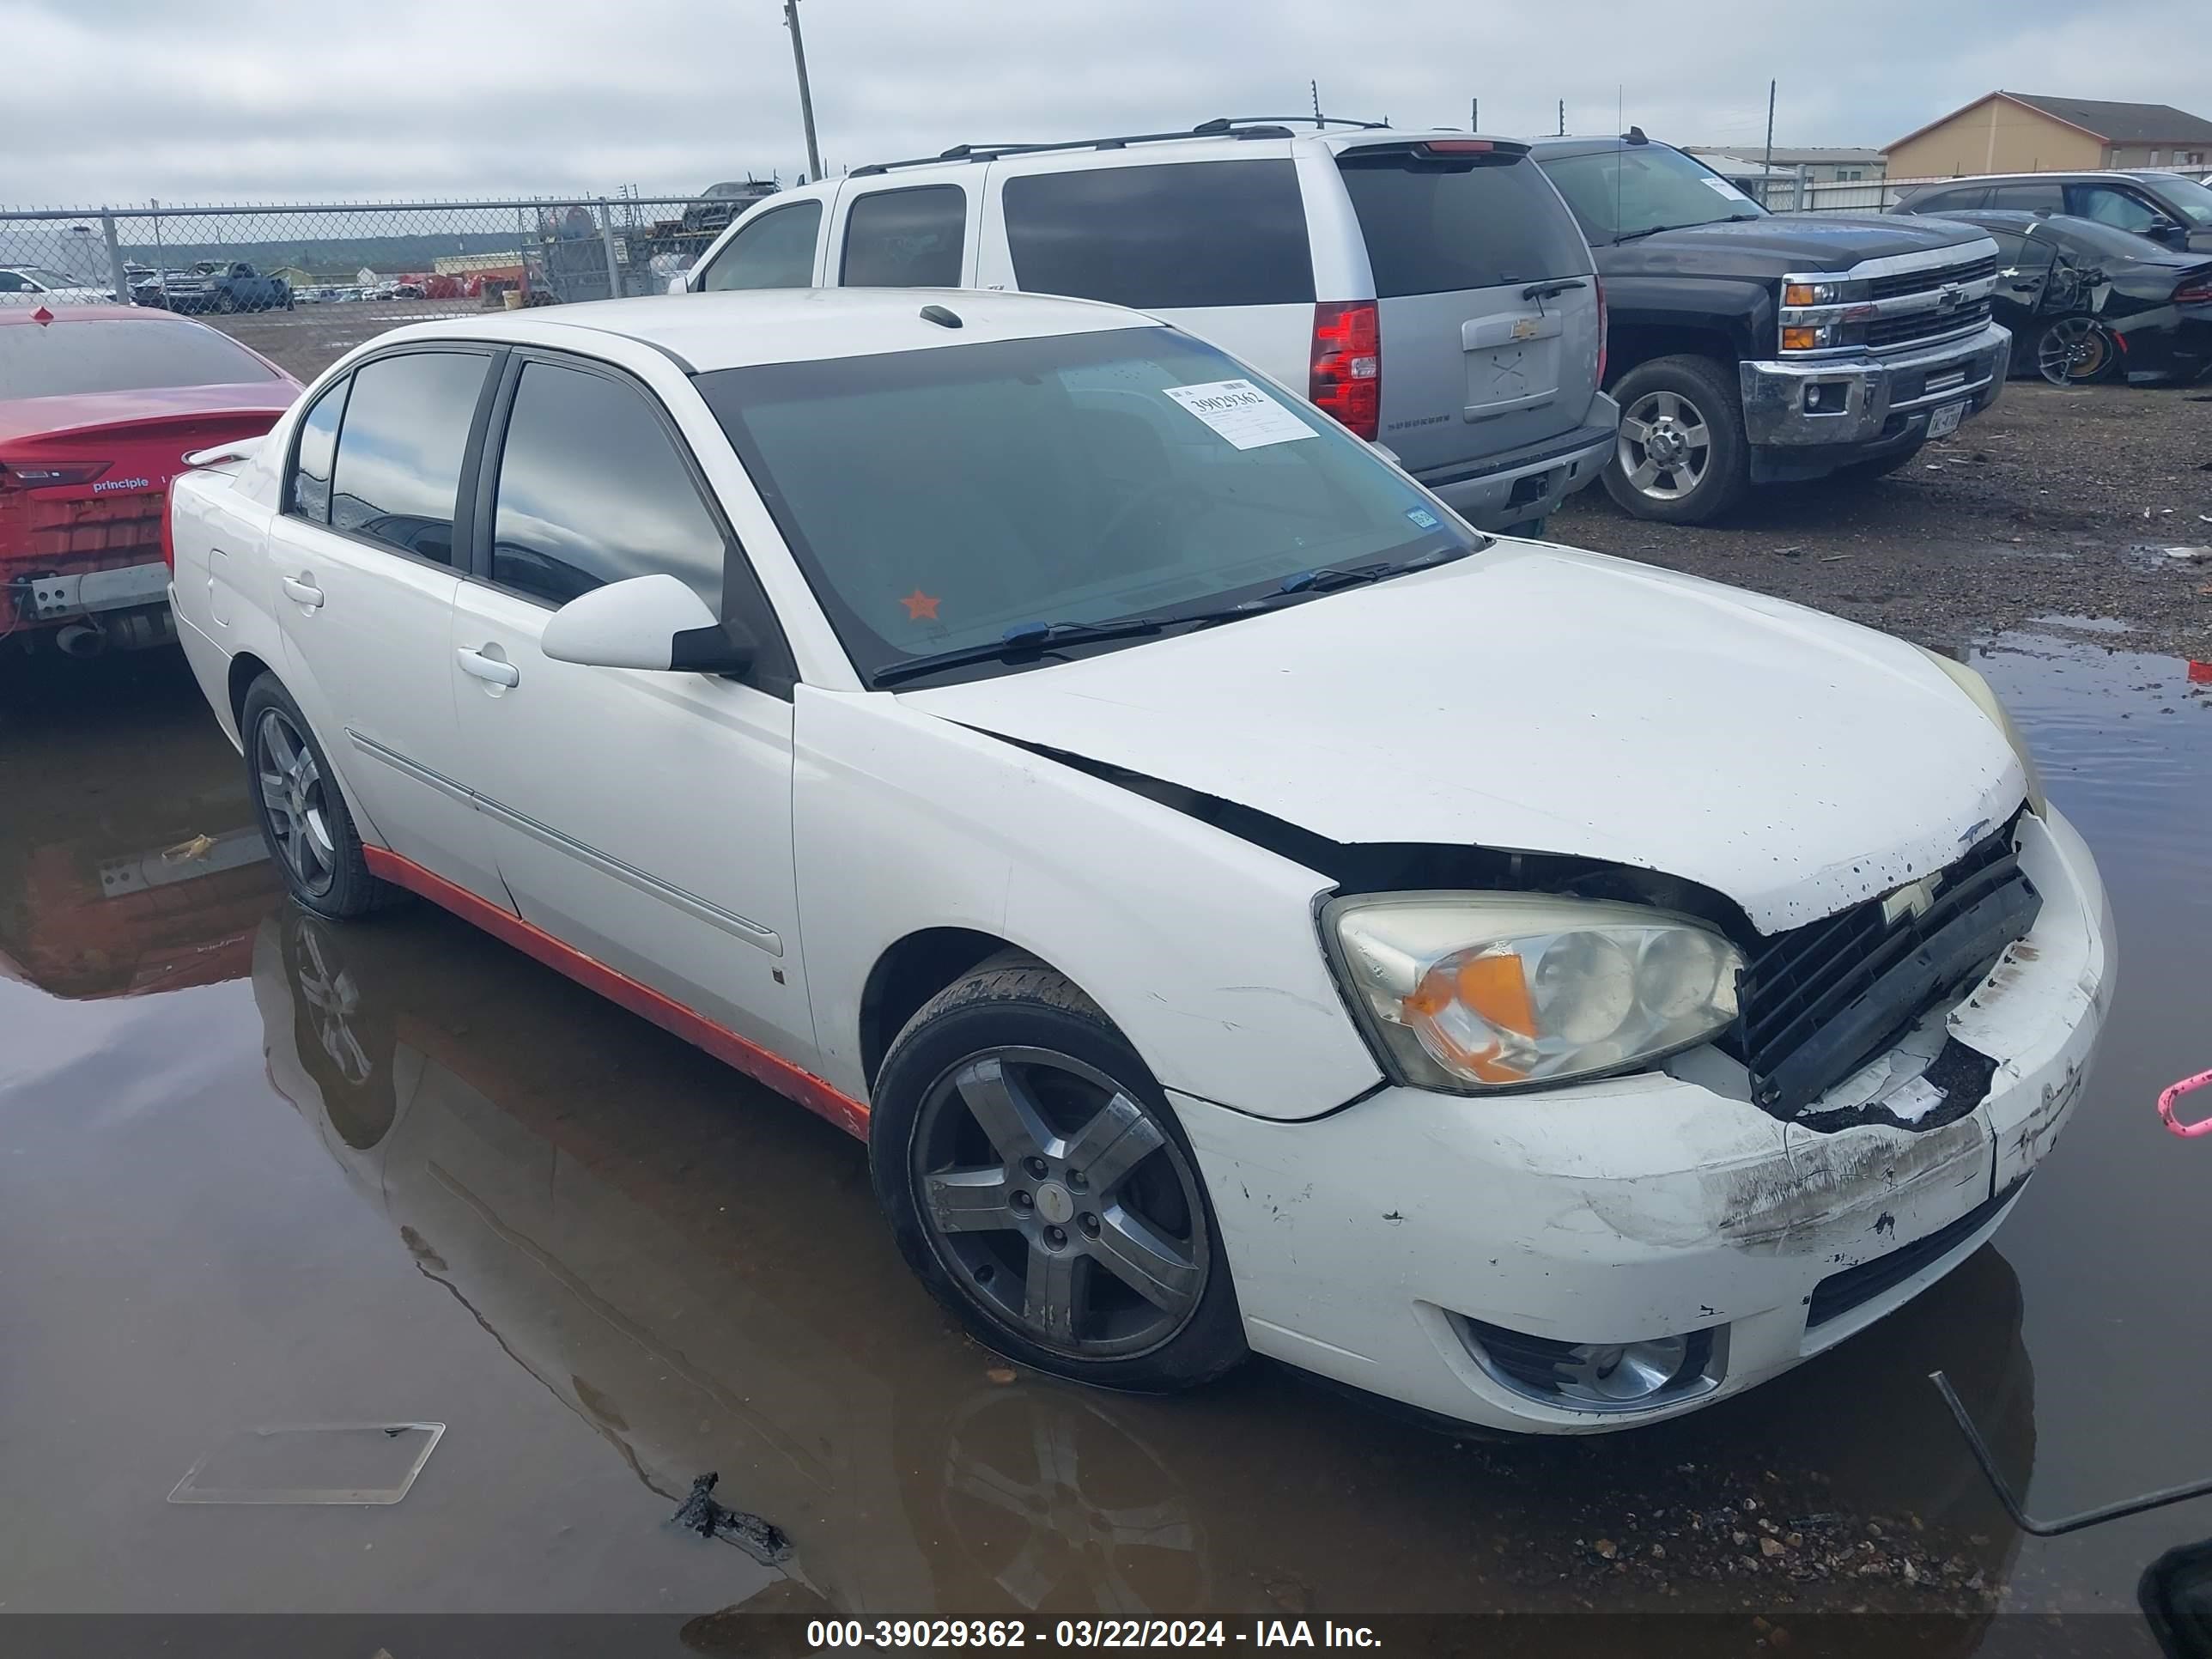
(1927, 282)
(1884, 332)
(1839, 1293)
(1820, 1001)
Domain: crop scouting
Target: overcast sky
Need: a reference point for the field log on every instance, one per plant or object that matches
(266, 100)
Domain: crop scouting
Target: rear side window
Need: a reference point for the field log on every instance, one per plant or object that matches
(1190, 233)
(120, 354)
(774, 250)
(591, 490)
(400, 446)
(1952, 201)
(1433, 227)
(2028, 198)
(906, 238)
(317, 450)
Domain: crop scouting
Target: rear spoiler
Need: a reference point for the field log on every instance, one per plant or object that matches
(238, 449)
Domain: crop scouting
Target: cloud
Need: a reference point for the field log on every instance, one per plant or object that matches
(125, 100)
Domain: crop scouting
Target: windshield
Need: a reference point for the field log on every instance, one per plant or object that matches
(2186, 197)
(938, 499)
(46, 278)
(1644, 187)
(121, 355)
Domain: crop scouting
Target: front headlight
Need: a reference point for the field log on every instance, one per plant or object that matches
(1976, 687)
(1473, 992)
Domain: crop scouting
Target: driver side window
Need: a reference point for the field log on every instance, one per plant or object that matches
(2120, 209)
(777, 250)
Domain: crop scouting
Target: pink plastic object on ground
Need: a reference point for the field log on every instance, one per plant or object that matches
(2203, 1126)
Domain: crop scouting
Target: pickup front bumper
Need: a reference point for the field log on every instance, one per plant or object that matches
(1865, 404)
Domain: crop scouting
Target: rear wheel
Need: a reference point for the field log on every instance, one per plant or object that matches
(1039, 1184)
(1681, 456)
(303, 815)
(2076, 351)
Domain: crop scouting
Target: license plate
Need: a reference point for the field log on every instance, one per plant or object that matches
(1945, 421)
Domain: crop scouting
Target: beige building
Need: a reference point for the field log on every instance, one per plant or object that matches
(2021, 132)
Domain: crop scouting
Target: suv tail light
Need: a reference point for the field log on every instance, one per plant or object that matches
(1347, 364)
(168, 536)
(1600, 282)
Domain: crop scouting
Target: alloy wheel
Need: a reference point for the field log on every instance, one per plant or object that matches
(2072, 350)
(1665, 445)
(295, 798)
(1061, 1203)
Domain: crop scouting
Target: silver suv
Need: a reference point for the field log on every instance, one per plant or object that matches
(1429, 290)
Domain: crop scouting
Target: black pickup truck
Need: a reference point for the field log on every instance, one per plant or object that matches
(1745, 347)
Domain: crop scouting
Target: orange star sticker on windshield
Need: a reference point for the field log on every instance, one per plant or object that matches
(920, 606)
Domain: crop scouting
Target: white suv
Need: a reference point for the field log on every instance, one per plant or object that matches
(1430, 290)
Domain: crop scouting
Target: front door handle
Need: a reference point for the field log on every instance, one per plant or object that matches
(302, 592)
(490, 669)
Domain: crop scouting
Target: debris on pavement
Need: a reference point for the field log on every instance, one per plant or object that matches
(761, 1538)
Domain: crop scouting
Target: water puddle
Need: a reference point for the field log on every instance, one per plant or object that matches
(278, 1172)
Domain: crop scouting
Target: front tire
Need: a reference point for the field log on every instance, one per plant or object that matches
(1037, 1182)
(1681, 456)
(302, 812)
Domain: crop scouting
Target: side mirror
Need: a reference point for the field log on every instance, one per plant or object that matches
(676, 285)
(652, 623)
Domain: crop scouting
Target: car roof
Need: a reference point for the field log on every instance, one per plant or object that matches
(2020, 219)
(709, 332)
(2141, 175)
(1249, 141)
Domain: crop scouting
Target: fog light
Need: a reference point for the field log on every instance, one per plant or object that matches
(1604, 1376)
(1827, 397)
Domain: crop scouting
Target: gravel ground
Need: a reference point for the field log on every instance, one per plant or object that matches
(2055, 503)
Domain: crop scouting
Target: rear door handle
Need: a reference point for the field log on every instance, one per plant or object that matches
(301, 591)
(490, 669)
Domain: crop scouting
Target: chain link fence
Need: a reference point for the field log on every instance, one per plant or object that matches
(303, 282)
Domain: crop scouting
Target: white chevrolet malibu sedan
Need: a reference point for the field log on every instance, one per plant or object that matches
(1241, 907)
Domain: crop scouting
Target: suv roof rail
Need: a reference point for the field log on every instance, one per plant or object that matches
(1223, 126)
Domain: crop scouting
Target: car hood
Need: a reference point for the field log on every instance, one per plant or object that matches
(1783, 244)
(1540, 699)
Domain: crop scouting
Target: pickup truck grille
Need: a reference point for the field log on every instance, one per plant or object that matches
(1927, 282)
(1820, 1001)
(1885, 333)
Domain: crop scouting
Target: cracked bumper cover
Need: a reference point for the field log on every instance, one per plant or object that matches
(1874, 390)
(1641, 1206)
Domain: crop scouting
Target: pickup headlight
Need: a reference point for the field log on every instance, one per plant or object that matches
(1475, 991)
(1977, 688)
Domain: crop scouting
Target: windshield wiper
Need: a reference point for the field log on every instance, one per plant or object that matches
(1033, 638)
(1025, 639)
(1732, 219)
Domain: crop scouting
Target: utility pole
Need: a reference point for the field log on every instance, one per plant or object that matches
(1474, 115)
(1769, 161)
(806, 94)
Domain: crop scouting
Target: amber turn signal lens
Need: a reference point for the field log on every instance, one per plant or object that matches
(1798, 293)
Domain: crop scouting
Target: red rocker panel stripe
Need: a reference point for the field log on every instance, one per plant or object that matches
(725, 1045)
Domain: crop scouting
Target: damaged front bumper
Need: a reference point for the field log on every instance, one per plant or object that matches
(1828, 411)
(1436, 1249)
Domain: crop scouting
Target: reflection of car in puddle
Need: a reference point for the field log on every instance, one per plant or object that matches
(698, 1277)
(154, 883)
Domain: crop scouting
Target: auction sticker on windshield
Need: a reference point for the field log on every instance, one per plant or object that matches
(1242, 413)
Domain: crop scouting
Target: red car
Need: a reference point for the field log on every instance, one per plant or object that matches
(99, 405)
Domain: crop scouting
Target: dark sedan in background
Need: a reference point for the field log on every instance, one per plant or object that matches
(2163, 206)
(2086, 302)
